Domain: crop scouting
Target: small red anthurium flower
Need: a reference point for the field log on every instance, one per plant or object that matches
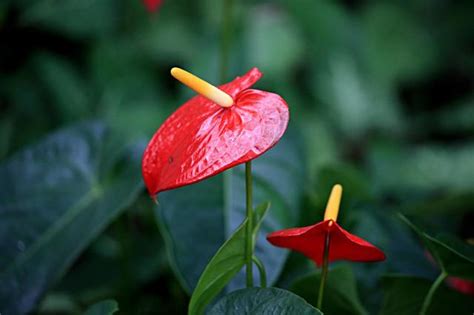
(152, 5)
(215, 130)
(311, 240)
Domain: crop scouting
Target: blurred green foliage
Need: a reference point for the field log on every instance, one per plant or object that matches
(381, 99)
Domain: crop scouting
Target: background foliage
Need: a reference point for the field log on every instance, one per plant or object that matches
(381, 99)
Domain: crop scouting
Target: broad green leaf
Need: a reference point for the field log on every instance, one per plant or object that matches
(452, 255)
(340, 293)
(107, 307)
(262, 301)
(195, 225)
(56, 197)
(405, 295)
(225, 264)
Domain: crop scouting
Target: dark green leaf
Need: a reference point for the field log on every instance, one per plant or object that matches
(225, 264)
(340, 293)
(193, 241)
(107, 307)
(452, 255)
(258, 301)
(405, 295)
(56, 197)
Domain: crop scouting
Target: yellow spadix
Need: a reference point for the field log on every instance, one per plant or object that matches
(332, 207)
(202, 87)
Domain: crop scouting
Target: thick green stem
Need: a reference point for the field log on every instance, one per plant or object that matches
(249, 230)
(324, 271)
(431, 292)
(261, 270)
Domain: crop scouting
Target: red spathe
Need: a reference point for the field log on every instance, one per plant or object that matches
(201, 139)
(310, 241)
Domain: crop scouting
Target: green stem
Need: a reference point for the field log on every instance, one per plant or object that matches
(261, 270)
(324, 271)
(431, 292)
(249, 230)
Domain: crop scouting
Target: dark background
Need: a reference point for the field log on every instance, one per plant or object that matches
(380, 95)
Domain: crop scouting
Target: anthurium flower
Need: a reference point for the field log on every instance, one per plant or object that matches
(311, 240)
(152, 5)
(215, 130)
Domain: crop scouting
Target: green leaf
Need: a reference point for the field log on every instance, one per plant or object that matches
(405, 295)
(453, 256)
(107, 307)
(191, 243)
(225, 264)
(56, 197)
(262, 301)
(340, 294)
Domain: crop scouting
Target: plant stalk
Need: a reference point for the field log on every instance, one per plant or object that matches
(249, 230)
(261, 269)
(431, 292)
(324, 271)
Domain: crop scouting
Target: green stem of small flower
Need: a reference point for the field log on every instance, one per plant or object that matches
(261, 270)
(249, 231)
(324, 271)
(431, 292)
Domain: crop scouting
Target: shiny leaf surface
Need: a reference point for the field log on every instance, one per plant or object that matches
(56, 197)
(263, 301)
(340, 293)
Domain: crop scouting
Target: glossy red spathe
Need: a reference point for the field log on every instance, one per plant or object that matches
(310, 241)
(201, 139)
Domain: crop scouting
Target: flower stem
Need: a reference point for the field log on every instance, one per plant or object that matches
(249, 213)
(324, 271)
(431, 292)
(261, 269)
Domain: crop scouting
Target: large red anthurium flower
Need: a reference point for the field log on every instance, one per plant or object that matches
(213, 131)
(311, 240)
